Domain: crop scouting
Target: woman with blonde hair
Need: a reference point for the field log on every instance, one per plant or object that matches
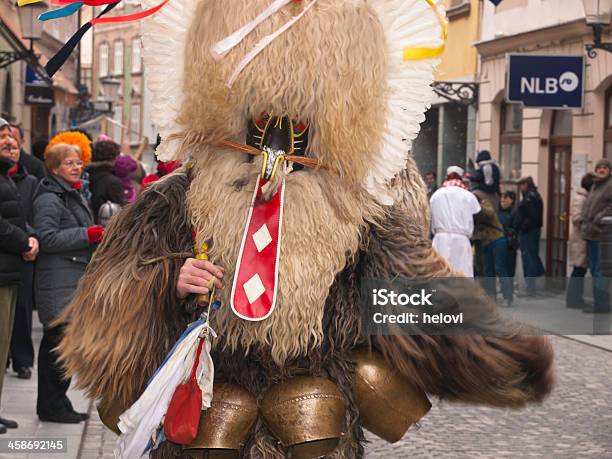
(67, 236)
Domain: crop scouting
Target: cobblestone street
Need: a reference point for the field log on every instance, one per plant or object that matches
(575, 422)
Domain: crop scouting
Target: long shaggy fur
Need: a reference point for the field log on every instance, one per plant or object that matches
(496, 363)
(323, 224)
(315, 70)
(125, 316)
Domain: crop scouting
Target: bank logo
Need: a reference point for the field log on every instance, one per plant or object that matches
(567, 82)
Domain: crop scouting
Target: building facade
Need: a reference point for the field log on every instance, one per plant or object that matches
(555, 147)
(117, 55)
(447, 135)
(40, 117)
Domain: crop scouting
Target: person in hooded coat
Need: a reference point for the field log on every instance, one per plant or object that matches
(125, 165)
(487, 177)
(104, 185)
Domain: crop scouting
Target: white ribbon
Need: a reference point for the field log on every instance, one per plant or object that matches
(263, 43)
(222, 47)
(140, 423)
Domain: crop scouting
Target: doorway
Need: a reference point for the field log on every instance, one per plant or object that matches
(559, 189)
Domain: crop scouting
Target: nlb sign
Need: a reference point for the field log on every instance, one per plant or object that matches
(545, 81)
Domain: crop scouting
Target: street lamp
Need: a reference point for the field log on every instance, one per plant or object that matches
(110, 86)
(598, 15)
(31, 27)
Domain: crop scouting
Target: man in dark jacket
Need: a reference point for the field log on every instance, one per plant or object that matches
(22, 348)
(15, 248)
(104, 185)
(597, 205)
(529, 223)
(33, 165)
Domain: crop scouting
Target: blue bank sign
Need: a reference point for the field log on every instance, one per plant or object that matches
(545, 81)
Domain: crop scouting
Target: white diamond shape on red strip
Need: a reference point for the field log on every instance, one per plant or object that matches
(262, 238)
(253, 288)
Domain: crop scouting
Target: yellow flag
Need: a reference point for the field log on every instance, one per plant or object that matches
(27, 2)
(413, 53)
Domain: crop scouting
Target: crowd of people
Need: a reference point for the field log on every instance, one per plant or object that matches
(54, 206)
(480, 230)
(56, 202)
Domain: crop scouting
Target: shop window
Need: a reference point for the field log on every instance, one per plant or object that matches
(510, 141)
(103, 70)
(608, 126)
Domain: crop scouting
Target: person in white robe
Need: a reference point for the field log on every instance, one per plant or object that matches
(452, 221)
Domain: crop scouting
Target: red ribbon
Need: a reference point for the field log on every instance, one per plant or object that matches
(114, 19)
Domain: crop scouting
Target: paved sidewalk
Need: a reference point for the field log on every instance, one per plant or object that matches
(19, 403)
(573, 423)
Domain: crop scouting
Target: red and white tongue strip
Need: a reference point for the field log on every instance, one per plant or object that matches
(255, 285)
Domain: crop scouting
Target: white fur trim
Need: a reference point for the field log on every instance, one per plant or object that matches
(407, 23)
(164, 40)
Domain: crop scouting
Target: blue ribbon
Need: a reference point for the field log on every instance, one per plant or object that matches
(189, 329)
(61, 12)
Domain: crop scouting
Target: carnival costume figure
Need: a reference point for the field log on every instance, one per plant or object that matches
(294, 120)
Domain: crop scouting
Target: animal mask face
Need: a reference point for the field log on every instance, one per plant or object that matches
(340, 67)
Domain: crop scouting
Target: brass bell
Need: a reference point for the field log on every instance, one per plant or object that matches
(388, 403)
(306, 414)
(225, 426)
(109, 414)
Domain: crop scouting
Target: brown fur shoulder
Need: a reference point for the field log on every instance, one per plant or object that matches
(124, 315)
(498, 362)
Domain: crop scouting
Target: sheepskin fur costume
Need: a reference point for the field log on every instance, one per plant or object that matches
(332, 68)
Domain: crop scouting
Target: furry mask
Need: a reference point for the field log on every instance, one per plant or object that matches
(346, 67)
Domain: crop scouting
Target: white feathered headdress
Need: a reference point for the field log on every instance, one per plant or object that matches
(415, 35)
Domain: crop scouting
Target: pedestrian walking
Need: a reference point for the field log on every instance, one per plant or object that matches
(529, 223)
(22, 348)
(67, 235)
(507, 218)
(597, 205)
(578, 246)
(494, 246)
(452, 221)
(16, 247)
(105, 186)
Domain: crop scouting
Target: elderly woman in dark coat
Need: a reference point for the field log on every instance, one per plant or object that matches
(67, 234)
